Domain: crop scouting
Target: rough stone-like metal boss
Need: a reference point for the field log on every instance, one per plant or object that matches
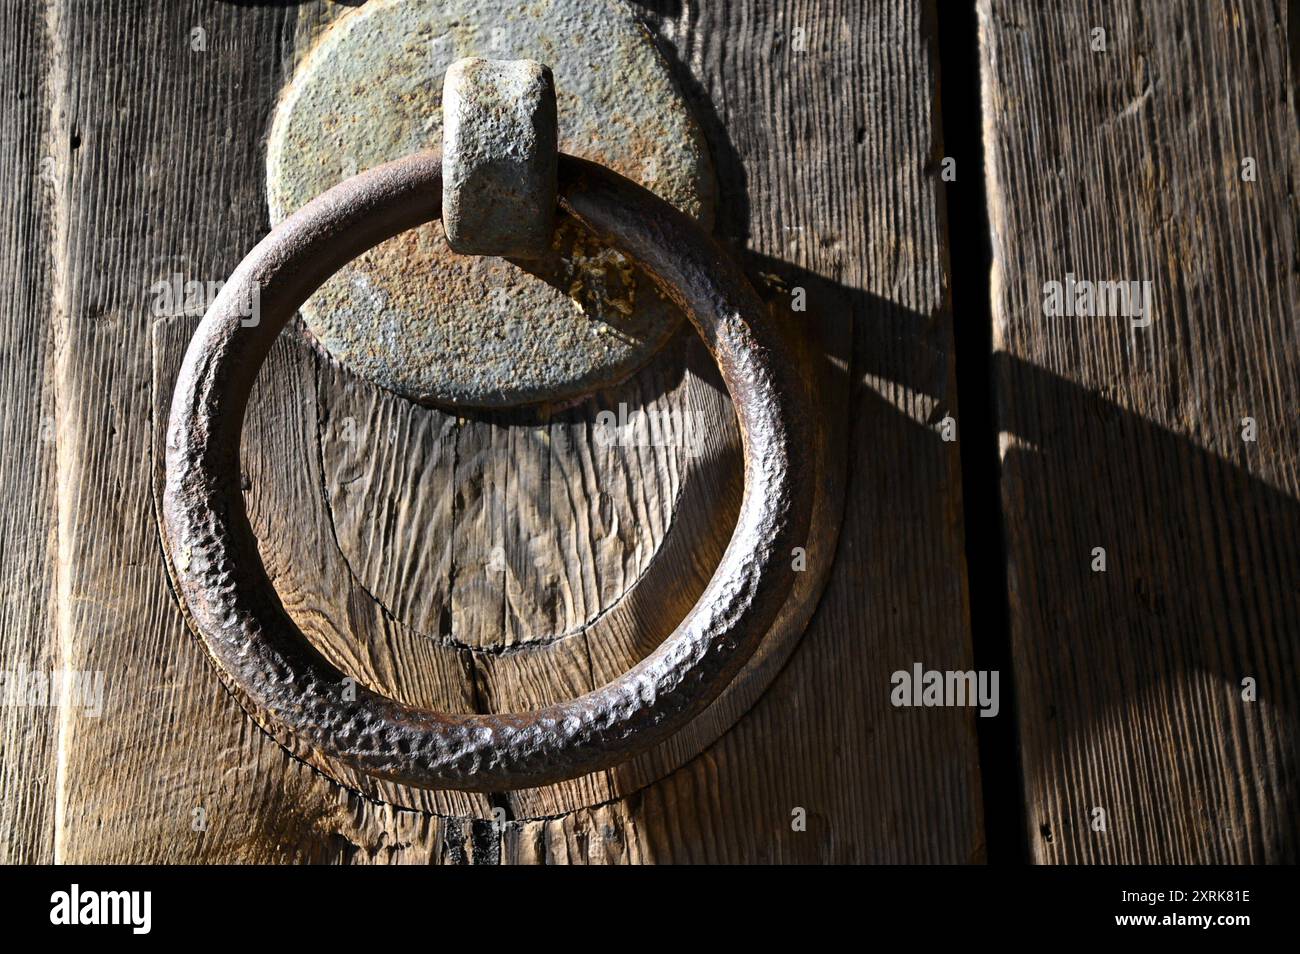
(499, 148)
(290, 688)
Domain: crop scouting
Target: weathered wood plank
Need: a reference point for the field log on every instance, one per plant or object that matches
(31, 166)
(826, 159)
(165, 177)
(1126, 164)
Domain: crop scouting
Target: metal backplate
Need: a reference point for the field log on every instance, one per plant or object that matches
(413, 316)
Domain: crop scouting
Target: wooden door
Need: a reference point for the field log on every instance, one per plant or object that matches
(138, 157)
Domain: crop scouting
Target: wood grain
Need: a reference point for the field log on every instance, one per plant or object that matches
(28, 164)
(1126, 164)
(499, 530)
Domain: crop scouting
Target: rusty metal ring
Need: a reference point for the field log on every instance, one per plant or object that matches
(307, 703)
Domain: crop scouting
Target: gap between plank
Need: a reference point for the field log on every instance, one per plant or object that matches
(970, 282)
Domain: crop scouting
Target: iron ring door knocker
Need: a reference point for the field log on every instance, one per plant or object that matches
(289, 687)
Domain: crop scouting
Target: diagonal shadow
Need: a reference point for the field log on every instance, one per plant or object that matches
(1201, 590)
(1202, 587)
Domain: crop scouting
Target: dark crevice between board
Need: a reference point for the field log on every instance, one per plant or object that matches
(1005, 826)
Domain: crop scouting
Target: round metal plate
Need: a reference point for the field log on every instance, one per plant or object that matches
(441, 328)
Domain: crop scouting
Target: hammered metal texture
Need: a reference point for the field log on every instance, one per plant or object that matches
(287, 684)
(447, 329)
